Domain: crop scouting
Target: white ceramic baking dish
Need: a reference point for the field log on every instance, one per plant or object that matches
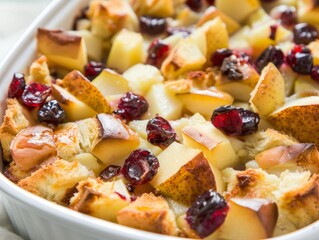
(37, 219)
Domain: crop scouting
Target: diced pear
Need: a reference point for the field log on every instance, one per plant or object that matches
(238, 39)
(269, 93)
(185, 56)
(127, 50)
(308, 11)
(305, 84)
(141, 77)
(214, 144)
(89, 161)
(163, 102)
(62, 49)
(155, 8)
(144, 144)
(205, 102)
(139, 126)
(184, 173)
(238, 10)
(110, 82)
(74, 108)
(239, 90)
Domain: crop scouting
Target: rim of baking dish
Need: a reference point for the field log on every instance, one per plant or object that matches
(57, 212)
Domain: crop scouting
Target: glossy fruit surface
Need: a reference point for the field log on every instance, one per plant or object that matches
(93, 69)
(305, 33)
(157, 52)
(17, 86)
(109, 172)
(231, 68)
(35, 94)
(219, 55)
(270, 54)
(51, 112)
(315, 73)
(300, 59)
(152, 25)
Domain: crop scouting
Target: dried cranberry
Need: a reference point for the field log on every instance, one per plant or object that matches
(51, 112)
(273, 31)
(207, 213)
(185, 32)
(157, 52)
(219, 55)
(132, 106)
(17, 86)
(288, 16)
(300, 59)
(93, 69)
(35, 94)
(270, 54)
(140, 167)
(152, 26)
(235, 121)
(231, 68)
(210, 2)
(195, 5)
(160, 132)
(305, 33)
(109, 172)
(315, 73)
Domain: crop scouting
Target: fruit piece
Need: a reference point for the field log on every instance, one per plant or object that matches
(308, 11)
(297, 117)
(163, 8)
(304, 33)
(89, 161)
(131, 106)
(17, 86)
(219, 55)
(305, 84)
(117, 140)
(140, 167)
(157, 52)
(149, 213)
(159, 132)
(32, 146)
(51, 112)
(163, 102)
(195, 5)
(35, 94)
(269, 93)
(270, 54)
(230, 68)
(84, 90)
(186, 177)
(315, 73)
(142, 77)
(74, 108)
(300, 59)
(93, 69)
(128, 45)
(235, 121)
(231, 8)
(213, 143)
(212, 12)
(207, 213)
(110, 172)
(205, 101)
(62, 49)
(184, 57)
(152, 26)
(287, 15)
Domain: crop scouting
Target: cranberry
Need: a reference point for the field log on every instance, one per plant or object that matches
(51, 112)
(185, 32)
(157, 52)
(207, 213)
(316, 3)
(93, 69)
(210, 2)
(17, 86)
(300, 59)
(195, 5)
(231, 68)
(315, 73)
(288, 16)
(160, 132)
(140, 167)
(219, 55)
(235, 121)
(35, 94)
(273, 31)
(152, 26)
(304, 33)
(270, 54)
(109, 172)
(132, 106)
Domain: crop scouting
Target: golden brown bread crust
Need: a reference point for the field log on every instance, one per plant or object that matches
(39, 71)
(149, 213)
(15, 174)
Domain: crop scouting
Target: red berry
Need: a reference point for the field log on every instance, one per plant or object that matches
(184, 31)
(51, 112)
(219, 55)
(152, 26)
(210, 2)
(270, 54)
(304, 33)
(235, 121)
(140, 167)
(93, 69)
(288, 16)
(157, 52)
(35, 94)
(109, 172)
(315, 73)
(132, 106)
(159, 132)
(207, 213)
(195, 5)
(300, 59)
(273, 31)
(17, 86)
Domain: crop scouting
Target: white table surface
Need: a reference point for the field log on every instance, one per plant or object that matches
(15, 17)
